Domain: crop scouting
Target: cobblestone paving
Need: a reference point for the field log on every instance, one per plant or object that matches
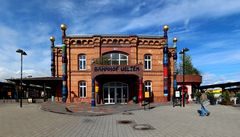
(31, 121)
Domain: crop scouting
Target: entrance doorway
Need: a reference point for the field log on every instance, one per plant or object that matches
(115, 92)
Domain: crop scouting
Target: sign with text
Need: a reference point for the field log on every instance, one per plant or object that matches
(117, 70)
(147, 94)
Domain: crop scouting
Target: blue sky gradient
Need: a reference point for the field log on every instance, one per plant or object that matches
(209, 28)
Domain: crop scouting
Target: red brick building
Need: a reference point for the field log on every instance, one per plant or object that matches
(113, 69)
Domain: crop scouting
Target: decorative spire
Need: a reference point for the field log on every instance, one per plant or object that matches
(174, 42)
(63, 28)
(165, 29)
(52, 39)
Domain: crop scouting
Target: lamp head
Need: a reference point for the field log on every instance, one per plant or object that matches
(21, 52)
(183, 50)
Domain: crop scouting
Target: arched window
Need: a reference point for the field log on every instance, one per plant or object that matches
(82, 62)
(147, 62)
(117, 58)
(82, 89)
(148, 86)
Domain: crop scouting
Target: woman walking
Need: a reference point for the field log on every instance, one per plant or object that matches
(203, 102)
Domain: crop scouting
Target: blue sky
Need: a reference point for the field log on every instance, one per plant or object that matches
(209, 28)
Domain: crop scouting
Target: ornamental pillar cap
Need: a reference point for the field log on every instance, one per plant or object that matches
(165, 28)
(63, 27)
(175, 40)
(52, 39)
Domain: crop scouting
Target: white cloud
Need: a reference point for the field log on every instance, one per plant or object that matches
(120, 16)
(211, 78)
(182, 10)
(12, 39)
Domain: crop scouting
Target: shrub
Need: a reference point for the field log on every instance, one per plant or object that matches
(238, 97)
(211, 98)
(226, 98)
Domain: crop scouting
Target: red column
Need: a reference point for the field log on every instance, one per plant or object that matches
(140, 95)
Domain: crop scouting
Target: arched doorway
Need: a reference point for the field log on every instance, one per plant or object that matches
(115, 92)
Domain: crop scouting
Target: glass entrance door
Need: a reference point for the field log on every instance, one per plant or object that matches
(115, 92)
(124, 95)
(119, 95)
(109, 95)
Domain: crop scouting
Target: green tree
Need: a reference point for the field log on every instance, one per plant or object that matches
(188, 66)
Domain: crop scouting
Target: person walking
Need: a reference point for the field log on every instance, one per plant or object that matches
(203, 102)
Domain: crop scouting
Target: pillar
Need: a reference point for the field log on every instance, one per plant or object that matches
(64, 74)
(64, 65)
(140, 94)
(175, 64)
(52, 39)
(93, 103)
(165, 62)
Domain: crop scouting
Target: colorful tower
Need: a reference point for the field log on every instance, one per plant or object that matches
(52, 39)
(175, 64)
(165, 62)
(64, 65)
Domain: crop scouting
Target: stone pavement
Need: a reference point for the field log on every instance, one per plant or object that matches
(85, 109)
(164, 121)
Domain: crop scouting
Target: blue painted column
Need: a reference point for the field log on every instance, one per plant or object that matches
(93, 103)
(64, 73)
(64, 64)
(175, 64)
(165, 62)
(52, 39)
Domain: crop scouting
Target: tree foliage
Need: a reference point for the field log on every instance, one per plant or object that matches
(188, 66)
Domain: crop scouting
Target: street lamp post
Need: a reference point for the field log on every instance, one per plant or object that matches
(183, 74)
(21, 93)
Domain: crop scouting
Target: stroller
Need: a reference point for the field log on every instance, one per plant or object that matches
(204, 111)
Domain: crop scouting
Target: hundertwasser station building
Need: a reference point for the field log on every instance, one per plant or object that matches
(110, 69)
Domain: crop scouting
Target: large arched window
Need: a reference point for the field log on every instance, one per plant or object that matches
(82, 89)
(116, 58)
(82, 62)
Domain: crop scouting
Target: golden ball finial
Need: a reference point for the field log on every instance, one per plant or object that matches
(165, 28)
(63, 26)
(52, 39)
(175, 39)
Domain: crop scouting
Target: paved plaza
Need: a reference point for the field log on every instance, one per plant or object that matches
(164, 121)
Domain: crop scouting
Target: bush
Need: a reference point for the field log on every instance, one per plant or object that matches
(211, 98)
(226, 98)
(198, 95)
(238, 97)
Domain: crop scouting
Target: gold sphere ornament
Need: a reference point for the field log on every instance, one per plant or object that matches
(63, 26)
(165, 28)
(52, 39)
(175, 39)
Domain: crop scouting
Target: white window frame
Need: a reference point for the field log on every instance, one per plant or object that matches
(119, 59)
(148, 86)
(146, 62)
(81, 61)
(82, 89)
